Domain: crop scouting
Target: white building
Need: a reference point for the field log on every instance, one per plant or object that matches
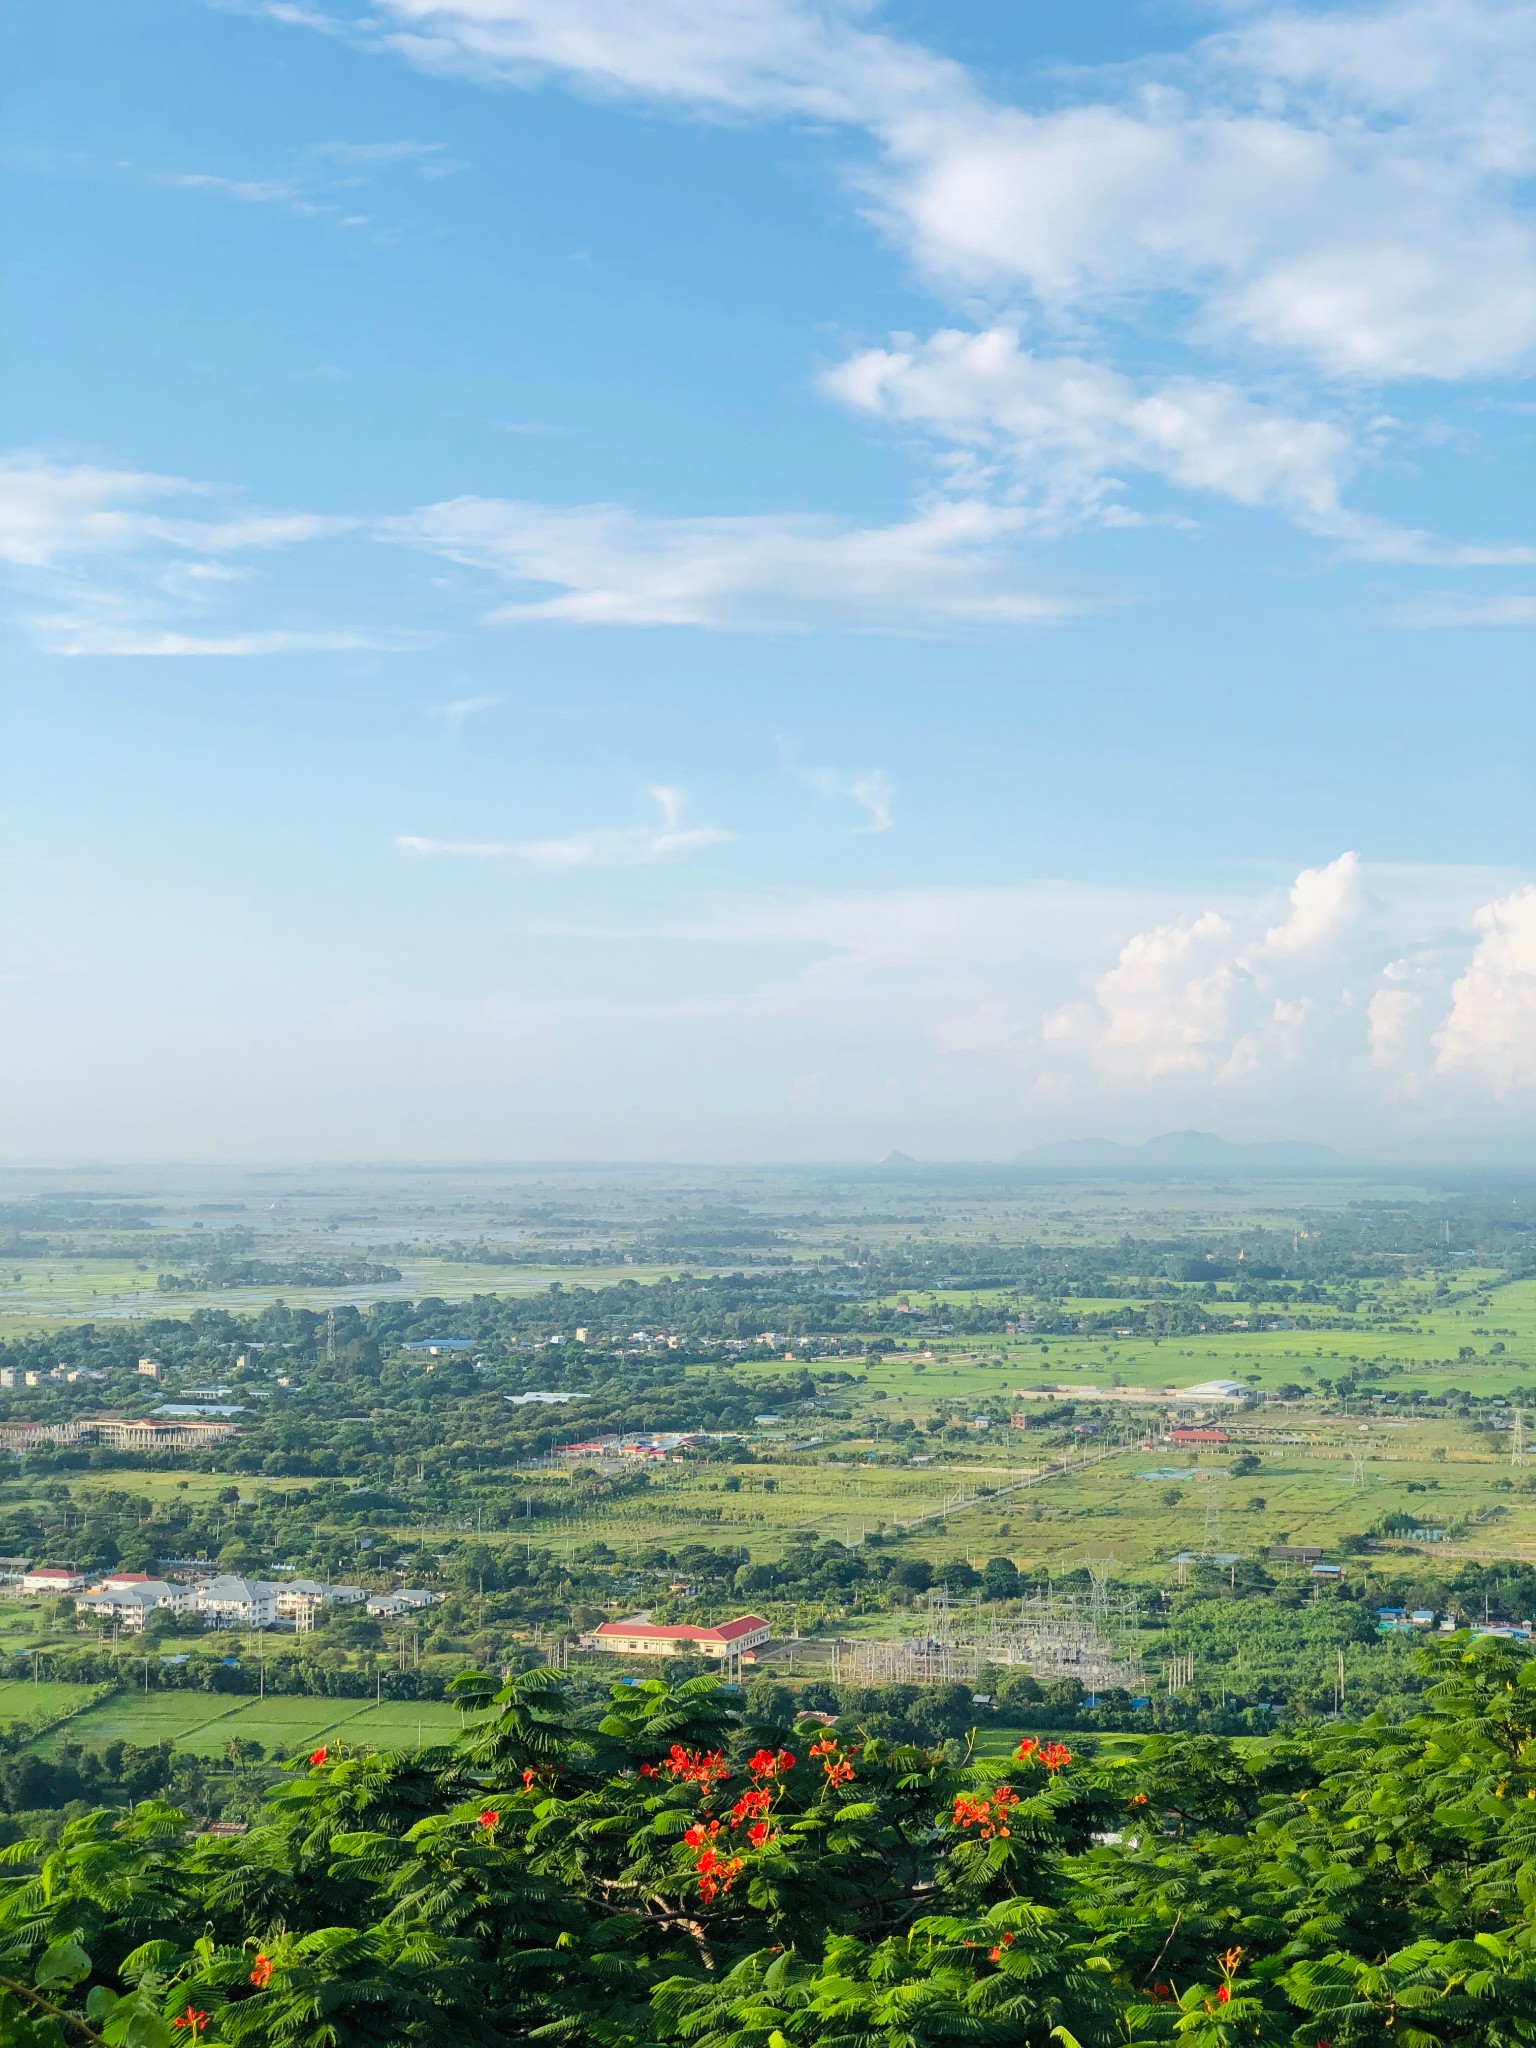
(408, 1600)
(300, 1600)
(129, 1599)
(742, 1637)
(230, 1602)
(52, 1578)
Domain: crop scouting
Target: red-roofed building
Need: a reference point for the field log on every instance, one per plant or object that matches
(1199, 1436)
(738, 1638)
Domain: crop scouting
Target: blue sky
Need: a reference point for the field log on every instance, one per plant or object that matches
(754, 579)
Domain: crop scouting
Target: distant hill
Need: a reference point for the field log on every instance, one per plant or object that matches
(1181, 1148)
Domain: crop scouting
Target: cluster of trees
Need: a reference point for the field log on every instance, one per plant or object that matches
(669, 1869)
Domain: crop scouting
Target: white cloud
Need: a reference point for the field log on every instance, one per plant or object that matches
(454, 714)
(871, 789)
(118, 561)
(722, 57)
(1452, 608)
(1342, 188)
(1326, 906)
(1490, 1034)
(1226, 995)
(604, 846)
(462, 849)
(947, 565)
(79, 637)
(1322, 1001)
(1165, 1007)
(1060, 431)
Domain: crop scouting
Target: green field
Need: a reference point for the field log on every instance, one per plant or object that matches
(204, 1722)
(21, 1700)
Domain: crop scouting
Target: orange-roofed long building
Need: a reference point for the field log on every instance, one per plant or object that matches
(738, 1638)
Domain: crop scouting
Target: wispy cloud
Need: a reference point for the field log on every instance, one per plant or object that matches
(75, 637)
(605, 846)
(871, 789)
(462, 849)
(950, 564)
(321, 179)
(131, 562)
(1059, 435)
(453, 715)
(1455, 608)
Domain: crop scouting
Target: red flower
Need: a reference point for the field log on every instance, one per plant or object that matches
(318, 1756)
(988, 1814)
(193, 2020)
(839, 1772)
(758, 1835)
(695, 1766)
(1054, 1755)
(716, 1874)
(1026, 1749)
(528, 1778)
(261, 1972)
(694, 1836)
(765, 1764)
(994, 1955)
(1162, 1991)
(1140, 1799)
(647, 1770)
(751, 1805)
(490, 1817)
(1223, 1993)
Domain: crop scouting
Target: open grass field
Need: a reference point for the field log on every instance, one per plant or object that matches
(21, 1700)
(204, 1722)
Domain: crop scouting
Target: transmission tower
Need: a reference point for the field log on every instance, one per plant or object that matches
(1357, 1461)
(1517, 1439)
(1210, 1542)
(330, 1336)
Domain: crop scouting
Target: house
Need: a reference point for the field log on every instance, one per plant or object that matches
(1198, 1436)
(52, 1578)
(230, 1602)
(407, 1600)
(1327, 1571)
(149, 1369)
(637, 1638)
(300, 1600)
(131, 1598)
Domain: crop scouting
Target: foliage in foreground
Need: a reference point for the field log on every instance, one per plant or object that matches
(669, 1873)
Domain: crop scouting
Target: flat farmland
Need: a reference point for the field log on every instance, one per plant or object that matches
(20, 1700)
(203, 1723)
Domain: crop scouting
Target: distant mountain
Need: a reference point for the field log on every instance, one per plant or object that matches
(1181, 1148)
(895, 1161)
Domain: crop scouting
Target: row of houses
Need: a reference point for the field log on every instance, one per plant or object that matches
(126, 1600)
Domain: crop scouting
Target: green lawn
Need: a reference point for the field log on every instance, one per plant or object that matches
(203, 1722)
(20, 1700)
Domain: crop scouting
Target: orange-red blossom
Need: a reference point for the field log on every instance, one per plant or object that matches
(1052, 1754)
(695, 1766)
(987, 1813)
